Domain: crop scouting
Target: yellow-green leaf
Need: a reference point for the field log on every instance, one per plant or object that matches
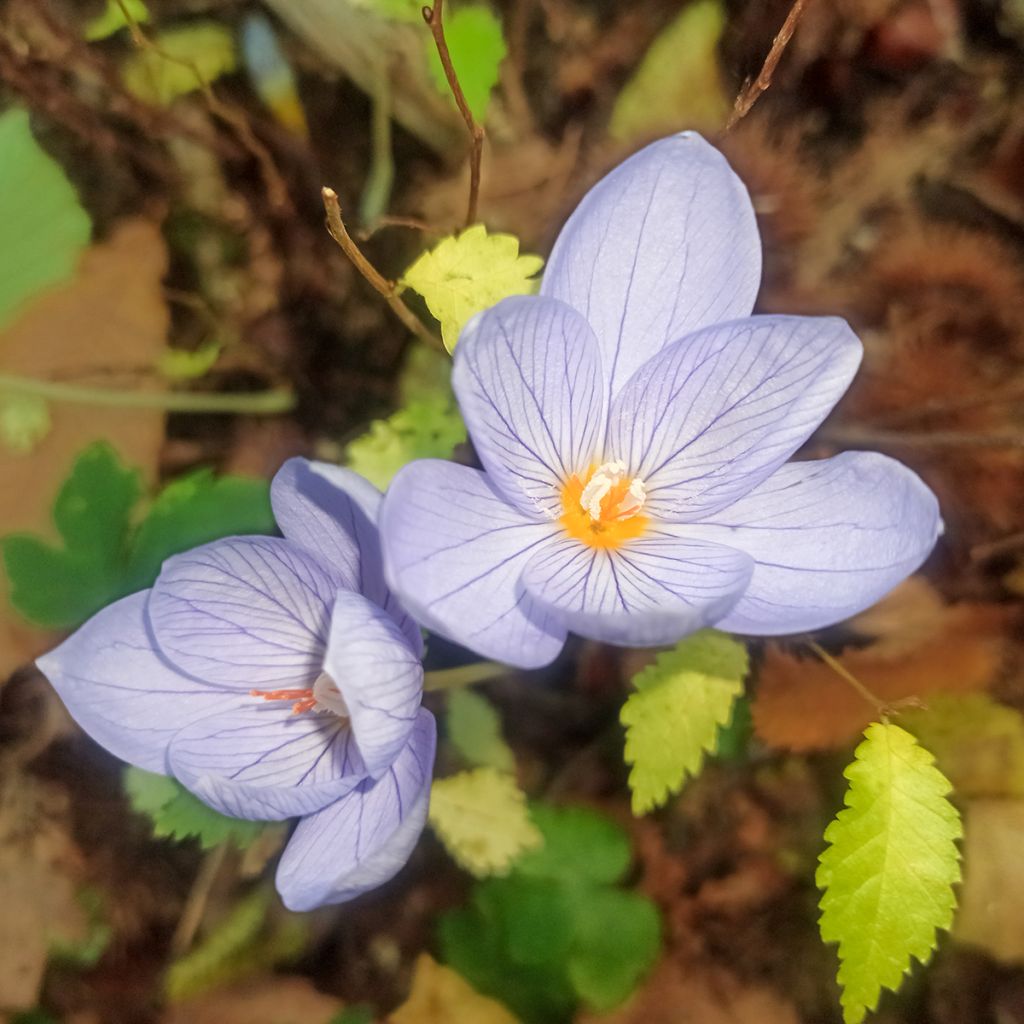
(188, 364)
(978, 743)
(673, 719)
(474, 729)
(467, 273)
(482, 819)
(189, 55)
(890, 866)
(24, 421)
(679, 82)
(111, 19)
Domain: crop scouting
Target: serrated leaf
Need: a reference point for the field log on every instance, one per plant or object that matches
(890, 866)
(978, 744)
(428, 427)
(184, 364)
(579, 845)
(193, 510)
(467, 273)
(674, 718)
(24, 421)
(616, 941)
(43, 228)
(177, 814)
(192, 54)
(477, 48)
(474, 729)
(679, 81)
(482, 819)
(111, 19)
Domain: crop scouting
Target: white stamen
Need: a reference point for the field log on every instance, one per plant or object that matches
(328, 696)
(609, 475)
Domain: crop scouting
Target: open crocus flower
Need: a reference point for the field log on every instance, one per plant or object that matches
(275, 678)
(633, 421)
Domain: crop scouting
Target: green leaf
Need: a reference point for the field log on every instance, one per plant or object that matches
(426, 428)
(360, 1014)
(679, 81)
(43, 228)
(617, 939)
(474, 729)
(183, 364)
(111, 19)
(24, 421)
(890, 866)
(675, 717)
(477, 48)
(194, 510)
(482, 819)
(467, 273)
(189, 55)
(579, 844)
(177, 814)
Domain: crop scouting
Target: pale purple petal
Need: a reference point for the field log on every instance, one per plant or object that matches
(332, 513)
(454, 550)
(265, 763)
(714, 414)
(121, 692)
(527, 375)
(650, 591)
(665, 244)
(829, 539)
(379, 678)
(364, 839)
(248, 612)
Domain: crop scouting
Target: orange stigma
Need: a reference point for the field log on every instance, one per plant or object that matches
(603, 510)
(304, 699)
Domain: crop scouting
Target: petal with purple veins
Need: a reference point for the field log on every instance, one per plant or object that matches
(711, 416)
(122, 692)
(247, 612)
(828, 538)
(527, 375)
(651, 591)
(365, 838)
(665, 244)
(332, 513)
(454, 551)
(264, 762)
(378, 677)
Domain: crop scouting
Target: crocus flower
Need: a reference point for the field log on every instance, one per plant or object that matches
(274, 678)
(634, 421)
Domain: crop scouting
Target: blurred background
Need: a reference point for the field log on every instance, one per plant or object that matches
(175, 321)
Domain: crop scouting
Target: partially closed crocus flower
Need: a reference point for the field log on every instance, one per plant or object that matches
(275, 678)
(634, 422)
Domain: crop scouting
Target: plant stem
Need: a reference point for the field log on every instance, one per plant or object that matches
(338, 231)
(844, 673)
(260, 403)
(463, 675)
(198, 897)
(433, 16)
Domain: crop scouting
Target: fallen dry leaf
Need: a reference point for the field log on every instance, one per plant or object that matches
(111, 318)
(802, 704)
(272, 1000)
(440, 994)
(702, 995)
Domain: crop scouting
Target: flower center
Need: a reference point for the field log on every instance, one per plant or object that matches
(604, 509)
(323, 695)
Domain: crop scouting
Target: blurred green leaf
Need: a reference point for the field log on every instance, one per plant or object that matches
(477, 48)
(355, 1015)
(182, 364)
(24, 421)
(43, 227)
(474, 729)
(579, 845)
(679, 82)
(185, 58)
(428, 427)
(177, 814)
(111, 19)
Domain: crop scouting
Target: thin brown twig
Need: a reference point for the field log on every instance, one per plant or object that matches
(845, 674)
(390, 221)
(434, 16)
(338, 231)
(752, 90)
(273, 183)
(198, 897)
